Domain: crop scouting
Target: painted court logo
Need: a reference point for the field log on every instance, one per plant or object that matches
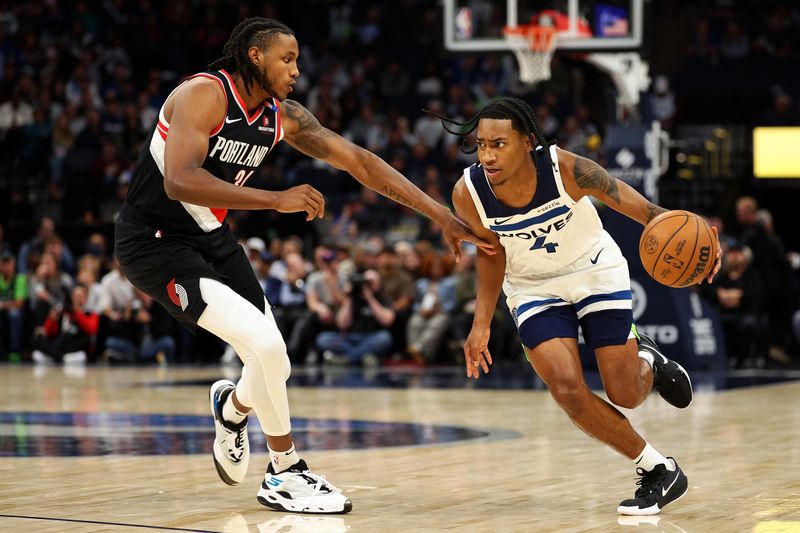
(177, 294)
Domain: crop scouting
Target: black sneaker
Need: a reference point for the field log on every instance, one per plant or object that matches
(657, 488)
(669, 378)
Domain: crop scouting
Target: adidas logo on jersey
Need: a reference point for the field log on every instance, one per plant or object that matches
(238, 152)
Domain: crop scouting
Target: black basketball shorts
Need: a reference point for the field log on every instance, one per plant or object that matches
(168, 266)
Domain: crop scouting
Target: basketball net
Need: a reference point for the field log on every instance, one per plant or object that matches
(533, 46)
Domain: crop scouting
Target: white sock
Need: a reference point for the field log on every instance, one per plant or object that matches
(230, 412)
(647, 356)
(283, 460)
(650, 457)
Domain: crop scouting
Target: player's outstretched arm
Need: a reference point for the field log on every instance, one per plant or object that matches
(304, 133)
(194, 110)
(491, 270)
(583, 177)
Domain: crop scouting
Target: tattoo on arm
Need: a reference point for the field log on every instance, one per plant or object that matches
(590, 175)
(397, 197)
(653, 211)
(311, 138)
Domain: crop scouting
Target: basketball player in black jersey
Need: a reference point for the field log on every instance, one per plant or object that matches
(213, 132)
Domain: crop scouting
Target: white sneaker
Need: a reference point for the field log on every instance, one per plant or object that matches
(75, 358)
(298, 490)
(231, 447)
(41, 358)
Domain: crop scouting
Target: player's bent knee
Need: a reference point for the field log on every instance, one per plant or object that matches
(571, 395)
(627, 399)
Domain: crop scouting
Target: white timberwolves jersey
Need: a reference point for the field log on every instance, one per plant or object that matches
(546, 235)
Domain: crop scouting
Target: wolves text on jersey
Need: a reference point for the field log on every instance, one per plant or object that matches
(238, 152)
(539, 234)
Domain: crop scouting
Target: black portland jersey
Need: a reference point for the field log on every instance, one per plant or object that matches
(236, 148)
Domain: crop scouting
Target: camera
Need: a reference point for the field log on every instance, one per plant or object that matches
(358, 279)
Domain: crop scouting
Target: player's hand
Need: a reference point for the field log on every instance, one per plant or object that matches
(301, 198)
(476, 352)
(718, 258)
(455, 232)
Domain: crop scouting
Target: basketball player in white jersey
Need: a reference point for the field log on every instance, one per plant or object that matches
(212, 133)
(559, 268)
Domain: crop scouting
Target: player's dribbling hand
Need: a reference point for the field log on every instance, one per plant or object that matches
(454, 232)
(718, 259)
(302, 198)
(476, 352)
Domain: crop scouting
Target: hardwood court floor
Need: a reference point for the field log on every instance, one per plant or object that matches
(529, 468)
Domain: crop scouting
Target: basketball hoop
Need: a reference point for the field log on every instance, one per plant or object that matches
(533, 45)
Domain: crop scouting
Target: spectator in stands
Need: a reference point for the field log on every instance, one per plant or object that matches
(324, 297)
(362, 323)
(769, 263)
(48, 288)
(436, 301)
(155, 330)
(735, 43)
(116, 306)
(291, 303)
(67, 334)
(397, 290)
(740, 298)
(34, 247)
(13, 296)
(88, 274)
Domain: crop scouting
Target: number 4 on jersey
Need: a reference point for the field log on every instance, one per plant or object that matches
(539, 244)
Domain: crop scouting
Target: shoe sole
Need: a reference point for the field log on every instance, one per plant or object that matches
(277, 506)
(220, 471)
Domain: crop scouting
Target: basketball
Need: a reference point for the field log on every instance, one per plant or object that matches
(678, 249)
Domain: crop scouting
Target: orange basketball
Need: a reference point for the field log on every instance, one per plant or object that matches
(678, 249)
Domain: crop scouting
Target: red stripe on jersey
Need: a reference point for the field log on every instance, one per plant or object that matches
(163, 135)
(219, 213)
(278, 127)
(240, 100)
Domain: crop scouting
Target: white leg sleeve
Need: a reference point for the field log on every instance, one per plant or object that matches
(256, 339)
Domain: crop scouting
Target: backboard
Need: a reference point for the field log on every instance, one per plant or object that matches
(582, 25)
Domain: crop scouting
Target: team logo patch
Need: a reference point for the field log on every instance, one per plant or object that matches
(264, 128)
(177, 294)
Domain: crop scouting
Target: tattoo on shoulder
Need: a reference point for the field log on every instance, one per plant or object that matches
(653, 211)
(311, 137)
(590, 175)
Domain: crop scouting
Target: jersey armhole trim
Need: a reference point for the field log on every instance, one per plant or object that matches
(162, 120)
(562, 191)
(279, 125)
(475, 198)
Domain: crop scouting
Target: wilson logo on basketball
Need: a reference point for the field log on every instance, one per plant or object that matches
(700, 267)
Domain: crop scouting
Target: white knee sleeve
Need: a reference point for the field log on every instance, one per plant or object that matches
(256, 339)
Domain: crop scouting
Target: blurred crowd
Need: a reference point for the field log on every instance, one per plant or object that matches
(81, 84)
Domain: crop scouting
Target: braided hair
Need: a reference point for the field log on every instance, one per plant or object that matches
(257, 31)
(522, 117)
